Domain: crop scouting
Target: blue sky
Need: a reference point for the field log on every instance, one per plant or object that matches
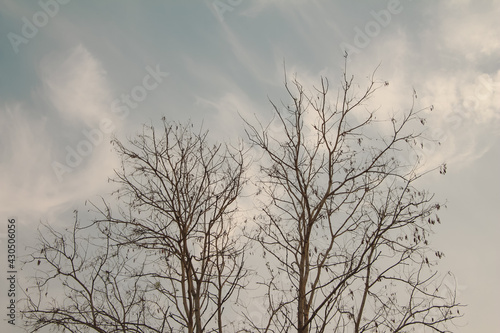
(74, 72)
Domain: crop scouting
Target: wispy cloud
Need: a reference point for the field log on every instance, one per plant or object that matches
(469, 29)
(76, 85)
(77, 89)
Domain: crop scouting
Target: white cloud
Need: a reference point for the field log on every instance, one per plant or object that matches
(30, 188)
(469, 29)
(26, 154)
(466, 113)
(76, 85)
(450, 60)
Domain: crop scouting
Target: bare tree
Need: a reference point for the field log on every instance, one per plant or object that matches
(343, 226)
(85, 282)
(180, 196)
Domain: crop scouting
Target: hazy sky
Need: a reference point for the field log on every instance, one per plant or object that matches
(73, 72)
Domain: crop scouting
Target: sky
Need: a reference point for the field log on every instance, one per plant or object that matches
(74, 73)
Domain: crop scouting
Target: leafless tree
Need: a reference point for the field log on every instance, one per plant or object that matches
(85, 282)
(344, 228)
(179, 194)
(342, 224)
